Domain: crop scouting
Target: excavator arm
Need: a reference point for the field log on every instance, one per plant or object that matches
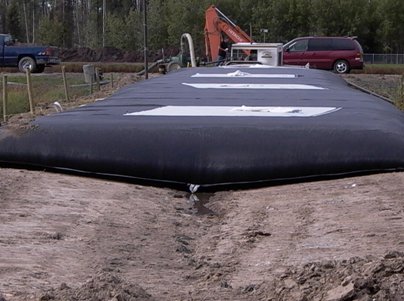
(216, 23)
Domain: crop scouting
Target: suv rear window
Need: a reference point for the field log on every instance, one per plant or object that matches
(343, 44)
(320, 44)
(329, 44)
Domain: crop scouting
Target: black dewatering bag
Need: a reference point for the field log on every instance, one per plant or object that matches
(219, 126)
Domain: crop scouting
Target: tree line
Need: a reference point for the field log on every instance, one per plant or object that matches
(378, 24)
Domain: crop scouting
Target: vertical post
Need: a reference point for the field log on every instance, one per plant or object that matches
(29, 87)
(65, 83)
(5, 95)
(91, 83)
(146, 67)
(112, 80)
(97, 78)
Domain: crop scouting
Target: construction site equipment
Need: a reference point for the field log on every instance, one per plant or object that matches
(217, 24)
(262, 53)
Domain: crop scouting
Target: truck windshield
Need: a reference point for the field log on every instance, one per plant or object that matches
(8, 40)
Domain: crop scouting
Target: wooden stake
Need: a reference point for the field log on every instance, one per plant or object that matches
(5, 95)
(112, 80)
(91, 84)
(65, 83)
(97, 78)
(29, 86)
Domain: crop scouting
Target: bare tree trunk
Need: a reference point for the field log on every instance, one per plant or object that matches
(78, 31)
(26, 20)
(104, 14)
(33, 23)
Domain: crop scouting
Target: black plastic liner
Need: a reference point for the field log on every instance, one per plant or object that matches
(357, 133)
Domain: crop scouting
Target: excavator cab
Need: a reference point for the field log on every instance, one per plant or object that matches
(218, 25)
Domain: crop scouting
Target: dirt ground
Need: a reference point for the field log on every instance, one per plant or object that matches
(66, 237)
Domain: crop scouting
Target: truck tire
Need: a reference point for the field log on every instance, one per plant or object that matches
(27, 62)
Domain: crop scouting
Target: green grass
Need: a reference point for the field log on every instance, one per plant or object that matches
(382, 69)
(45, 89)
(17, 102)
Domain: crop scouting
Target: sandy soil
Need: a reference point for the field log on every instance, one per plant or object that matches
(65, 237)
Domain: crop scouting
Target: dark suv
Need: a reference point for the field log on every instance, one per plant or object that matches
(340, 54)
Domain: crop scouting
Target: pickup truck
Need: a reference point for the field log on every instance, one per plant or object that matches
(36, 58)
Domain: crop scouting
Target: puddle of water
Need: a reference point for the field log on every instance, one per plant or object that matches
(198, 202)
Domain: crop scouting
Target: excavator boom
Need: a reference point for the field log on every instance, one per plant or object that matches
(216, 24)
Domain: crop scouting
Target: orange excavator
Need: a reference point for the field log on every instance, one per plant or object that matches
(217, 24)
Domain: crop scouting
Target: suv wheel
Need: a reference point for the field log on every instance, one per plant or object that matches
(341, 66)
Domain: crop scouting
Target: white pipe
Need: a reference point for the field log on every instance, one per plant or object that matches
(191, 47)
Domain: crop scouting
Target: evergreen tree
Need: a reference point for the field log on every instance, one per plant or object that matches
(379, 24)
(13, 21)
(3, 10)
(393, 25)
